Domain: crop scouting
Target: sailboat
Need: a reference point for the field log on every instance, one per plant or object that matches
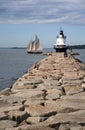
(34, 46)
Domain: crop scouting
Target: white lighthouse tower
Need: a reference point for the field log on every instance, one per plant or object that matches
(60, 45)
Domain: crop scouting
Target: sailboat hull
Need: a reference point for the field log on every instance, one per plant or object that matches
(34, 52)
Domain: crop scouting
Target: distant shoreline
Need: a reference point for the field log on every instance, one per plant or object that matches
(76, 46)
(70, 47)
(12, 47)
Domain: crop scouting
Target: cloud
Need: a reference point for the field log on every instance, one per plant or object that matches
(42, 11)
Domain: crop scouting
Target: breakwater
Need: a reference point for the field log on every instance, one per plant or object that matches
(50, 96)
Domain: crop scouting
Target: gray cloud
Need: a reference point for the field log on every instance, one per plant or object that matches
(42, 11)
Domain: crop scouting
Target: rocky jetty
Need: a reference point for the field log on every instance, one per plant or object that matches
(50, 96)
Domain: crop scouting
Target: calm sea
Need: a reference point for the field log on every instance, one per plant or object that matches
(15, 62)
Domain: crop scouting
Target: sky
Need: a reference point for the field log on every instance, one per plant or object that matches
(21, 20)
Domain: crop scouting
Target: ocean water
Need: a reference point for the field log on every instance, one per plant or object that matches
(82, 54)
(15, 62)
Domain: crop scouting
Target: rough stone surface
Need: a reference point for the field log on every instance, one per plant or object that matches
(72, 117)
(11, 108)
(18, 116)
(39, 110)
(6, 91)
(32, 127)
(78, 128)
(3, 116)
(35, 120)
(7, 124)
(50, 96)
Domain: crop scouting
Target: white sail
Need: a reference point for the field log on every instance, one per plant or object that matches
(34, 46)
(29, 47)
(38, 45)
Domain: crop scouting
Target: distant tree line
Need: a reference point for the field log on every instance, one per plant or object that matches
(77, 47)
(70, 47)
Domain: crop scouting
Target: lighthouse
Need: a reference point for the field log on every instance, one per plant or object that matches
(60, 45)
